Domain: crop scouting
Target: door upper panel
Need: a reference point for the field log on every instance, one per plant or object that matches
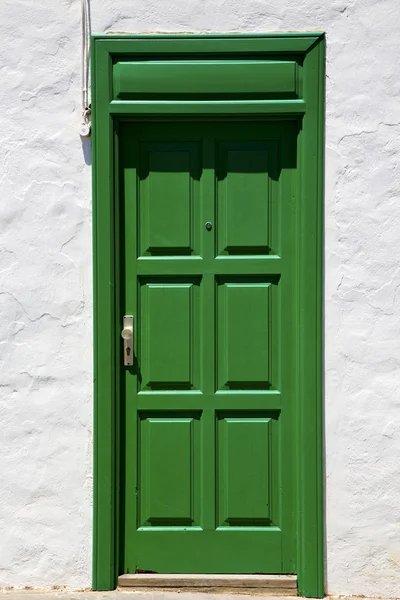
(246, 186)
(168, 198)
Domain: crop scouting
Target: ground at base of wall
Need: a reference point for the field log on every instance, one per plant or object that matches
(36, 594)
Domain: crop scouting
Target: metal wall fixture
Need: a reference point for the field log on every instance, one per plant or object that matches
(85, 127)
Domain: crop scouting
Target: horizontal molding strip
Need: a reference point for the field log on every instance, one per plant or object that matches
(203, 44)
(142, 79)
(263, 267)
(208, 107)
(234, 404)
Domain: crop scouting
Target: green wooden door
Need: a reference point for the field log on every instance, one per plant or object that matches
(208, 215)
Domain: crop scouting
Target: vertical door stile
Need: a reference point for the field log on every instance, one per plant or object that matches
(208, 213)
(287, 367)
(129, 297)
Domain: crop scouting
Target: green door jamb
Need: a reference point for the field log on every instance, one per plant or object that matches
(308, 50)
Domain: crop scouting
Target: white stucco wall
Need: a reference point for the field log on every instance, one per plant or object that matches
(46, 294)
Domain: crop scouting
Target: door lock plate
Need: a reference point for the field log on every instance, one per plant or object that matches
(127, 336)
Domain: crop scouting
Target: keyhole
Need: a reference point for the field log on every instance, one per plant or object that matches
(208, 226)
(128, 351)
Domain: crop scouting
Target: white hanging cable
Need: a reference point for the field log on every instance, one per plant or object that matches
(85, 127)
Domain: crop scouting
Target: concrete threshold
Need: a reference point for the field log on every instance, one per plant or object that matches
(9, 593)
(275, 585)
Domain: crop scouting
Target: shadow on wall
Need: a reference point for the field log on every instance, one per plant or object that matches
(87, 150)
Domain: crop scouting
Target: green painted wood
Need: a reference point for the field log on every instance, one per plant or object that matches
(207, 332)
(172, 313)
(247, 494)
(244, 345)
(262, 44)
(304, 542)
(167, 79)
(310, 418)
(247, 170)
(171, 493)
(171, 226)
(207, 107)
(219, 265)
(105, 553)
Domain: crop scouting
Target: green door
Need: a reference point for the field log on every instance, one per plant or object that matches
(208, 215)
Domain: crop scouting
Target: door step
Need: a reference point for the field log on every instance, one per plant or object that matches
(273, 585)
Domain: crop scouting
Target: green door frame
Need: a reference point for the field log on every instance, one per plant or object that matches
(307, 51)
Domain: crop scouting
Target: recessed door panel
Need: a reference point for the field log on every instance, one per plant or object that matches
(246, 320)
(168, 198)
(169, 470)
(245, 197)
(247, 461)
(170, 342)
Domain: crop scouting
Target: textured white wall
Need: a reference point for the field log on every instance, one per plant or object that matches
(46, 297)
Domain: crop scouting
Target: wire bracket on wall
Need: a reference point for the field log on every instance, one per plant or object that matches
(85, 128)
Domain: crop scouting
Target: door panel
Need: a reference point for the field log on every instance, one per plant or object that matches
(168, 199)
(244, 197)
(209, 403)
(244, 471)
(169, 334)
(169, 470)
(244, 337)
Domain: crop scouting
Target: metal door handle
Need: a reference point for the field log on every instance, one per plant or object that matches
(127, 336)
